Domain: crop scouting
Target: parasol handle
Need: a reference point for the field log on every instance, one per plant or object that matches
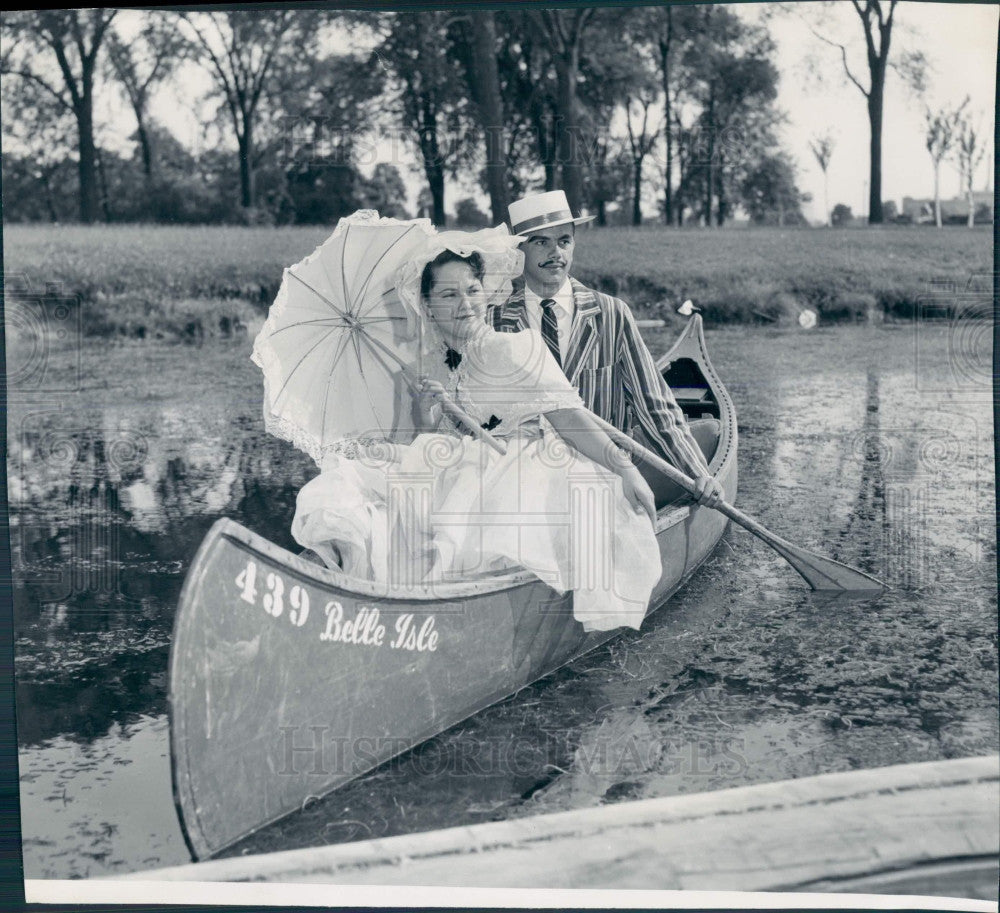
(459, 415)
(469, 423)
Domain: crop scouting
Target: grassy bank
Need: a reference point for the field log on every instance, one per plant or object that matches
(130, 279)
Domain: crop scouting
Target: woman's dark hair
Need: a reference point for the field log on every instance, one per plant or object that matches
(475, 261)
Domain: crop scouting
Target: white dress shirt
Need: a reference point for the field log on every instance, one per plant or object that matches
(564, 309)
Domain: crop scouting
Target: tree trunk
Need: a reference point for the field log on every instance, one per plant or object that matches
(602, 213)
(87, 165)
(567, 66)
(544, 129)
(145, 146)
(637, 192)
(433, 160)
(972, 202)
(668, 135)
(486, 90)
(710, 178)
(102, 183)
(937, 193)
(49, 204)
(720, 209)
(875, 149)
(246, 168)
(435, 180)
(826, 199)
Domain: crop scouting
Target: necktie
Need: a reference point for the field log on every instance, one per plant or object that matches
(550, 328)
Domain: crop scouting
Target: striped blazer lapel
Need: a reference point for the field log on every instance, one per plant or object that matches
(511, 316)
(583, 336)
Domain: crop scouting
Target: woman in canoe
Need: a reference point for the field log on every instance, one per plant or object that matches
(562, 502)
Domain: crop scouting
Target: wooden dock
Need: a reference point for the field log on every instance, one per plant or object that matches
(930, 828)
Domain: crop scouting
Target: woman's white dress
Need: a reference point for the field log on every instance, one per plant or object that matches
(448, 506)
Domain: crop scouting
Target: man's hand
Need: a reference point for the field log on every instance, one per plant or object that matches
(708, 492)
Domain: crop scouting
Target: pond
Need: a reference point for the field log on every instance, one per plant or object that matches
(873, 445)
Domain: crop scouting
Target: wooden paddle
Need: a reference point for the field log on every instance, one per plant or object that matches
(820, 573)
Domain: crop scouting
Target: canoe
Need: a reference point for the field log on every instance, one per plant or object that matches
(288, 680)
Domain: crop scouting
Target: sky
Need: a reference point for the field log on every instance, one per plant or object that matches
(959, 41)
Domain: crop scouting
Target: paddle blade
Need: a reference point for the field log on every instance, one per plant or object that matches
(825, 574)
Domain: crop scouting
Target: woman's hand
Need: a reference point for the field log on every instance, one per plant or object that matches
(427, 403)
(638, 492)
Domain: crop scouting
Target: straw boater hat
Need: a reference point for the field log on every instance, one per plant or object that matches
(543, 210)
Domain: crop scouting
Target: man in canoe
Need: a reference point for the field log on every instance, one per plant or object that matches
(594, 339)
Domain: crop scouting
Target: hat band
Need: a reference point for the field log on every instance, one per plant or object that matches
(559, 215)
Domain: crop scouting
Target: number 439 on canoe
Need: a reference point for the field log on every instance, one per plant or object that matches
(273, 598)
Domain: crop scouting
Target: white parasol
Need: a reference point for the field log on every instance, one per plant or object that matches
(342, 346)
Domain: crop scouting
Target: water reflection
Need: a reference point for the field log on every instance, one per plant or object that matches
(104, 524)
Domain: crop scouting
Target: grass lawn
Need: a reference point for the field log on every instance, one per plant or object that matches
(733, 274)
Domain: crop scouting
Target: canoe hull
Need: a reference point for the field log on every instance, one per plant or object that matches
(289, 680)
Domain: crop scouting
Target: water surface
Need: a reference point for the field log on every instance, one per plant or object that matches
(871, 445)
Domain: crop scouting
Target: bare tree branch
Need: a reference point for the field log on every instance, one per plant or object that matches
(843, 54)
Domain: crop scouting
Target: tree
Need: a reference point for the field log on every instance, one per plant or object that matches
(250, 54)
(641, 96)
(429, 97)
(841, 215)
(25, 175)
(40, 180)
(877, 20)
(385, 191)
(769, 193)
(666, 32)
(613, 83)
(969, 153)
(469, 215)
(609, 167)
(734, 84)
(665, 47)
(75, 38)
(140, 63)
(484, 83)
(528, 90)
(624, 81)
(325, 139)
(822, 149)
(942, 127)
(564, 31)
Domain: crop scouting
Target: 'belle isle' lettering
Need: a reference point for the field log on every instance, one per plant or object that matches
(366, 629)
